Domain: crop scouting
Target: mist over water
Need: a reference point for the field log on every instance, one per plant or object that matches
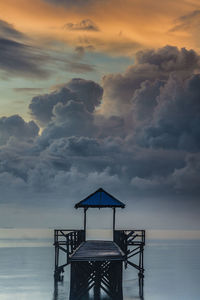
(172, 271)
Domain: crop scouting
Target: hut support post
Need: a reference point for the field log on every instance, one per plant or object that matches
(114, 214)
(85, 222)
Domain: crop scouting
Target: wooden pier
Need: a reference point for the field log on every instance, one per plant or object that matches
(98, 265)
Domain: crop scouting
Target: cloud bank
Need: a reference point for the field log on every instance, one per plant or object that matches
(136, 135)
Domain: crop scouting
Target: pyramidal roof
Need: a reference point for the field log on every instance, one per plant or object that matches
(99, 199)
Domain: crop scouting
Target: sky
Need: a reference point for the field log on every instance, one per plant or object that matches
(100, 93)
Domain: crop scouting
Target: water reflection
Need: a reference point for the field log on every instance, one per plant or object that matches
(172, 271)
(58, 293)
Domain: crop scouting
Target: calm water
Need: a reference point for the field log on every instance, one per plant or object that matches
(172, 272)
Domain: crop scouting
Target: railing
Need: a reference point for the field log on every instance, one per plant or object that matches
(132, 243)
(67, 241)
(125, 238)
(121, 240)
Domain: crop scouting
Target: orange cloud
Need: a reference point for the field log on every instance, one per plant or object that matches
(123, 26)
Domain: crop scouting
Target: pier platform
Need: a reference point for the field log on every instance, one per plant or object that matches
(98, 251)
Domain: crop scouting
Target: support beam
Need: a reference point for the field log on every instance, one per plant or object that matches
(97, 285)
(96, 276)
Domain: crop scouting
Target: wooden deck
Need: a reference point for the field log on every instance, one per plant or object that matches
(98, 251)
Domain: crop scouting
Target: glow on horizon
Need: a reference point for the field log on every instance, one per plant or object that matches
(29, 237)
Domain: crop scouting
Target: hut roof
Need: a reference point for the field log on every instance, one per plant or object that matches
(99, 199)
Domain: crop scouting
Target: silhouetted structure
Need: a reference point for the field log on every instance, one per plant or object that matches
(98, 264)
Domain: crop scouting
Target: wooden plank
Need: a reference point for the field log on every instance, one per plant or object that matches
(97, 251)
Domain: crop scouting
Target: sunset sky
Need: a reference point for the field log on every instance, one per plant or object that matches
(100, 93)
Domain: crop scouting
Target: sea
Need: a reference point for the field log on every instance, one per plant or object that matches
(172, 272)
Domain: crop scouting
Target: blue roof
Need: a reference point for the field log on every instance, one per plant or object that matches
(100, 198)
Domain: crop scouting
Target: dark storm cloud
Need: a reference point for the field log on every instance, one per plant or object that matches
(75, 146)
(89, 155)
(41, 107)
(71, 118)
(146, 145)
(79, 90)
(85, 25)
(150, 65)
(8, 31)
(68, 111)
(112, 126)
(169, 59)
(176, 119)
(144, 100)
(15, 126)
(19, 59)
(87, 91)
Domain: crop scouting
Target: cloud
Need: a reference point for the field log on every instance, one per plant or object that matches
(15, 126)
(8, 31)
(144, 100)
(80, 51)
(159, 98)
(85, 25)
(187, 22)
(28, 90)
(187, 28)
(87, 91)
(41, 107)
(169, 59)
(187, 178)
(77, 3)
(150, 65)
(176, 118)
(18, 59)
(78, 67)
(69, 119)
(79, 90)
(75, 146)
(110, 126)
(17, 155)
(142, 25)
